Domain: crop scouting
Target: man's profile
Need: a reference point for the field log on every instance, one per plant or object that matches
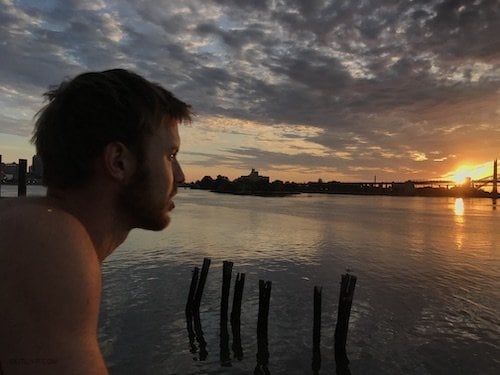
(108, 141)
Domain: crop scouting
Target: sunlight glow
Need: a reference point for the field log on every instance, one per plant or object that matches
(463, 172)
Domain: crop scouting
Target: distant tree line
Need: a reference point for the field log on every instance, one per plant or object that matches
(262, 187)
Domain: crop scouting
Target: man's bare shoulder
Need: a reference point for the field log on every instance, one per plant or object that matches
(26, 211)
(31, 223)
(37, 237)
(50, 292)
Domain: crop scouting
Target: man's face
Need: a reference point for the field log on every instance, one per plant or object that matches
(147, 198)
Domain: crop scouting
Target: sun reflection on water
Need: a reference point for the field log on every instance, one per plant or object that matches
(459, 221)
(459, 207)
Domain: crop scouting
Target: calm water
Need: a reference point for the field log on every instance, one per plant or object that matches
(427, 300)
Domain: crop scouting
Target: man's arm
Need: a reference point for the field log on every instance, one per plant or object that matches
(50, 298)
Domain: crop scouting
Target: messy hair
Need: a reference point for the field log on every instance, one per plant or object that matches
(88, 112)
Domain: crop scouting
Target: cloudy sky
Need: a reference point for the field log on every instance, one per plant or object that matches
(298, 89)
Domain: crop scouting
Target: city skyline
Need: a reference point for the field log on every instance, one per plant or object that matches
(299, 90)
(462, 176)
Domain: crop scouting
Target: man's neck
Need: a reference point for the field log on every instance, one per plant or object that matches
(96, 210)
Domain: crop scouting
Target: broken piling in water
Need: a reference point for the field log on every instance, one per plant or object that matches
(193, 320)
(316, 355)
(262, 328)
(236, 316)
(348, 283)
(225, 356)
(21, 177)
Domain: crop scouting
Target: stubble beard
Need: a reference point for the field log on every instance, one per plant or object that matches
(138, 204)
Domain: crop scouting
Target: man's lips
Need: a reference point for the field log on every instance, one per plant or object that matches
(171, 205)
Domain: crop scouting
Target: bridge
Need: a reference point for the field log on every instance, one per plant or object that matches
(426, 187)
(469, 183)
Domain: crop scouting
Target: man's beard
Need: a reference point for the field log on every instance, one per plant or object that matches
(137, 203)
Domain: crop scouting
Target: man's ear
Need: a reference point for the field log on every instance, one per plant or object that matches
(119, 162)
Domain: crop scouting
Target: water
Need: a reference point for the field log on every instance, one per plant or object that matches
(427, 300)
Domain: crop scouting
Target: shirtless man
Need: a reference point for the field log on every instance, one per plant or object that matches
(108, 142)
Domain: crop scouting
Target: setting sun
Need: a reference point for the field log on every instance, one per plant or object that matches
(475, 172)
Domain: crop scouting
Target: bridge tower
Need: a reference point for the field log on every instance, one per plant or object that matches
(494, 191)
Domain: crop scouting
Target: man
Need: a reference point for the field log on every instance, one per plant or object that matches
(108, 142)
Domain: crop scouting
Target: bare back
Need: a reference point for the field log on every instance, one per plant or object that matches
(49, 291)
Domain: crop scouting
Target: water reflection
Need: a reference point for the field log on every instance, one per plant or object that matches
(459, 206)
(459, 222)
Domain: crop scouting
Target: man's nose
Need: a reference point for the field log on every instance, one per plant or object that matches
(178, 173)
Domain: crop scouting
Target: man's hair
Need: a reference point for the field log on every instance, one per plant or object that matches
(92, 110)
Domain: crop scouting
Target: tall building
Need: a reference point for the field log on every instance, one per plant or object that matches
(254, 177)
(36, 167)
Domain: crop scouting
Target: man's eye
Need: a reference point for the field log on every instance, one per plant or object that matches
(172, 156)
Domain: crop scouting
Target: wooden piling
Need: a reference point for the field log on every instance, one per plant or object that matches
(200, 338)
(316, 355)
(1, 175)
(201, 283)
(236, 316)
(189, 309)
(225, 356)
(21, 177)
(347, 286)
(203, 353)
(262, 328)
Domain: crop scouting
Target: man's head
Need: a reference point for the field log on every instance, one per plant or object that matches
(146, 198)
(92, 110)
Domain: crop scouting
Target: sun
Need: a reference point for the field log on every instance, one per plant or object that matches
(459, 176)
(474, 172)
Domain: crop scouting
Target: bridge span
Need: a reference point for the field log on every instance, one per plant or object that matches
(425, 187)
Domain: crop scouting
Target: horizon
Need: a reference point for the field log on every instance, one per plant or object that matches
(457, 177)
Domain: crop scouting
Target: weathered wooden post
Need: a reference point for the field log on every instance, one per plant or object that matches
(203, 353)
(316, 356)
(236, 316)
(21, 177)
(347, 286)
(262, 325)
(1, 175)
(201, 283)
(225, 356)
(189, 309)
(196, 309)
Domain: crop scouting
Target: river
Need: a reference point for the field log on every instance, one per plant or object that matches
(427, 299)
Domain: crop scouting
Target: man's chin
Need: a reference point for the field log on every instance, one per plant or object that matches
(155, 225)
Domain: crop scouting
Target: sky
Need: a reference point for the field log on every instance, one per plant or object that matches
(298, 89)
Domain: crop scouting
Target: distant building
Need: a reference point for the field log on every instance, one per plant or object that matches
(403, 188)
(254, 177)
(37, 167)
(10, 172)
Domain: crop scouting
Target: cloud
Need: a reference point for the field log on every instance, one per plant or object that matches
(383, 83)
